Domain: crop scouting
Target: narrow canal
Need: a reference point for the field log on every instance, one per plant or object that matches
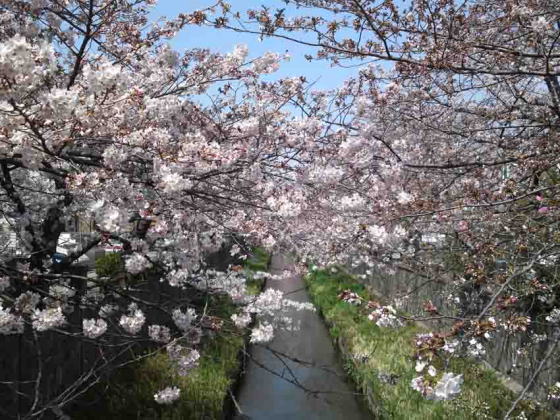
(306, 357)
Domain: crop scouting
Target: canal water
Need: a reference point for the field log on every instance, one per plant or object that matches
(305, 357)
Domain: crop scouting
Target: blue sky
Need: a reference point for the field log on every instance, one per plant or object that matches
(321, 72)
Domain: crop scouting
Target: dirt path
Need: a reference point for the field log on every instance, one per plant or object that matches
(264, 396)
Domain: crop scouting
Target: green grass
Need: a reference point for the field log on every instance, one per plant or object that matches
(109, 265)
(389, 352)
(129, 393)
(258, 261)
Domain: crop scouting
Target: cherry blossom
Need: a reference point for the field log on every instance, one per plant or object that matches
(167, 395)
(262, 333)
(10, 323)
(448, 387)
(134, 321)
(46, 319)
(159, 333)
(94, 328)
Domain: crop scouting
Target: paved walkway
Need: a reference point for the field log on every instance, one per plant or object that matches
(264, 396)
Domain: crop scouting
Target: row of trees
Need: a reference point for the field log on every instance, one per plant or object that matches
(456, 137)
(448, 137)
(99, 119)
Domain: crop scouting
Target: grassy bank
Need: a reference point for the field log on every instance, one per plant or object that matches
(129, 394)
(379, 360)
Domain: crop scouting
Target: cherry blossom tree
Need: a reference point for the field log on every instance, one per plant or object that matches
(102, 120)
(442, 158)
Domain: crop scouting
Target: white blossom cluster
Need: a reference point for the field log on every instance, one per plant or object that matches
(241, 320)
(109, 217)
(267, 303)
(133, 322)
(27, 302)
(450, 346)
(554, 316)
(286, 206)
(178, 278)
(104, 76)
(61, 102)
(137, 263)
(24, 62)
(239, 53)
(272, 311)
(447, 388)
(48, 318)
(351, 202)
(94, 328)
(61, 292)
(10, 323)
(554, 392)
(298, 306)
(262, 333)
(159, 333)
(326, 174)
(268, 63)
(420, 365)
(184, 320)
(113, 156)
(172, 182)
(167, 395)
(385, 317)
(231, 282)
(475, 348)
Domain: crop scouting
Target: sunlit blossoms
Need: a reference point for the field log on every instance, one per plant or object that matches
(448, 387)
(441, 165)
(422, 386)
(262, 333)
(453, 138)
(268, 302)
(386, 317)
(475, 348)
(268, 63)
(104, 130)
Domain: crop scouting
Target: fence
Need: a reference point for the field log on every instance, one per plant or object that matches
(517, 356)
(50, 368)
